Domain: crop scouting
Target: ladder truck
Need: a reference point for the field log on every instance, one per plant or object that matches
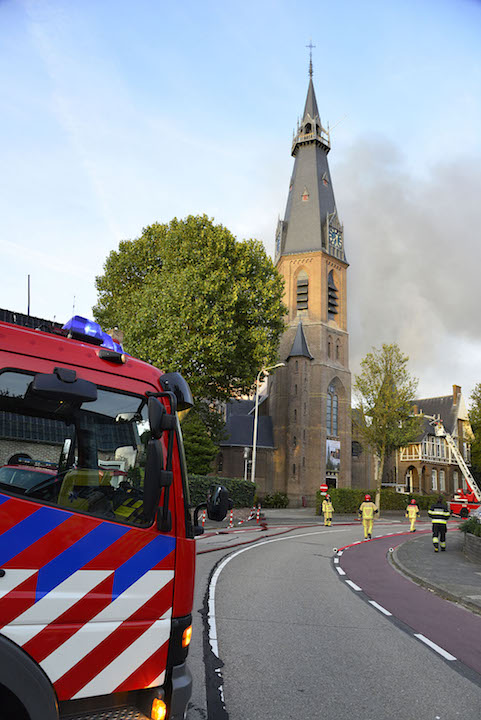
(463, 501)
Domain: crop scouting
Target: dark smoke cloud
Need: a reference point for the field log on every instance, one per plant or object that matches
(414, 247)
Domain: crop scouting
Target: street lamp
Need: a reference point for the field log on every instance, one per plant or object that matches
(264, 371)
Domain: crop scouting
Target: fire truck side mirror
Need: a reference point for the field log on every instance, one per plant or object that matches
(153, 470)
(218, 503)
(159, 419)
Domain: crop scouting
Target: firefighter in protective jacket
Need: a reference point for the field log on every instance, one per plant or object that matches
(439, 513)
(412, 512)
(327, 509)
(367, 511)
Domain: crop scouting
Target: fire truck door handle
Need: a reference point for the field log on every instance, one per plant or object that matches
(2, 572)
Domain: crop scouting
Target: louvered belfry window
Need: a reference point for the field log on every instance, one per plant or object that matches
(332, 298)
(302, 291)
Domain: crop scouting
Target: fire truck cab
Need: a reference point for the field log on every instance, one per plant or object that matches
(97, 548)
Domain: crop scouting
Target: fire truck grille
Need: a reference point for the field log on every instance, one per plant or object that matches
(125, 713)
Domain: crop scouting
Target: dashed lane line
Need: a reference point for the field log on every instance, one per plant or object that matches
(435, 647)
(380, 608)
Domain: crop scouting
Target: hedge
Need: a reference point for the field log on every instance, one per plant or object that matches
(277, 500)
(348, 500)
(471, 525)
(240, 491)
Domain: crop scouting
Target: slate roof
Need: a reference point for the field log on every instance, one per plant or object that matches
(442, 406)
(239, 431)
(299, 346)
(238, 407)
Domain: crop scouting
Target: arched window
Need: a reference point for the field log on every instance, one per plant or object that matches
(295, 415)
(294, 441)
(332, 297)
(332, 411)
(294, 469)
(302, 296)
(338, 350)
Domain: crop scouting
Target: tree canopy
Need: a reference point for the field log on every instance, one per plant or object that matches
(190, 298)
(475, 421)
(200, 449)
(386, 392)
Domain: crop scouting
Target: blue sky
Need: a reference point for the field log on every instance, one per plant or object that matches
(120, 114)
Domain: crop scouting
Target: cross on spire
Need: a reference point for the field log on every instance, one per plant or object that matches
(310, 46)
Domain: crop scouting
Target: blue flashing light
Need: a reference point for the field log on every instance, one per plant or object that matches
(83, 329)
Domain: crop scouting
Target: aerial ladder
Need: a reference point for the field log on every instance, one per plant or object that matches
(463, 501)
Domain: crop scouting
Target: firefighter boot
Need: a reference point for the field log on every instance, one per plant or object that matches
(443, 546)
(435, 543)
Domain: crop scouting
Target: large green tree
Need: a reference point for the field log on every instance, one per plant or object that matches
(385, 392)
(475, 421)
(190, 298)
(200, 449)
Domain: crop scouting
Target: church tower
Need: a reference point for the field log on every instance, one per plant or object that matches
(310, 398)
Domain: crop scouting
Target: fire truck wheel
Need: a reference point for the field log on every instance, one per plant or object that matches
(24, 682)
(464, 513)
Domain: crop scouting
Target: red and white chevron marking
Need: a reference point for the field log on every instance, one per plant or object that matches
(86, 643)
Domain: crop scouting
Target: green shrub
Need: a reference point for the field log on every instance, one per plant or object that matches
(471, 525)
(277, 500)
(241, 492)
(348, 500)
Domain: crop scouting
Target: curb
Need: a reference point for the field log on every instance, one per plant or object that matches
(430, 585)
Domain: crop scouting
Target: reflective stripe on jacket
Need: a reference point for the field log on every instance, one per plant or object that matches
(327, 507)
(367, 510)
(439, 513)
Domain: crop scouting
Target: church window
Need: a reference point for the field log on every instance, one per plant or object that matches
(302, 296)
(304, 435)
(329, 347)
(294, 441)
(294, 469)
(332, 297)
(338, 350)
(297, 365)
(303, 462)
(307, 128)
(295, 415)
(295, 389)
(332, 411)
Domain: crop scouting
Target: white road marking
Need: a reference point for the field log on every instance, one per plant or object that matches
(336, 560)
(211, 611)
(353, 585)
(340, 571)
(435, 647)
(380, 608)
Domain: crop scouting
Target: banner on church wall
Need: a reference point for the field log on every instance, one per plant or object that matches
(333, 455)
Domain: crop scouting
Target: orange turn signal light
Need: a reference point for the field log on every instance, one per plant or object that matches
(187, 636)
(159, 710)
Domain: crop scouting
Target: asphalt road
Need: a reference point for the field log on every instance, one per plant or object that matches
(295, 640)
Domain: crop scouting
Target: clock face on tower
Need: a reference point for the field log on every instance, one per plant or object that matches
(335, 237)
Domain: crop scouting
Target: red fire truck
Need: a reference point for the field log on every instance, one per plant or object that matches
(464, 500)
(96, 564)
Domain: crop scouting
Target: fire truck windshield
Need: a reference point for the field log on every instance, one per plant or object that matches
(89, 459)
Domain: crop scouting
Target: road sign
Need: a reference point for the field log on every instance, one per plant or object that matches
(323, 488)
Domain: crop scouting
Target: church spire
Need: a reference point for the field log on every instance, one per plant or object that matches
(310, 222)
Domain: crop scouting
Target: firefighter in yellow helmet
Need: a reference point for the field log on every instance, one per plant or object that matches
(412, 512)
(367, 511)
(327, 509)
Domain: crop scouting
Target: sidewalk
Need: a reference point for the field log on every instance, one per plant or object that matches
(448, 574)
